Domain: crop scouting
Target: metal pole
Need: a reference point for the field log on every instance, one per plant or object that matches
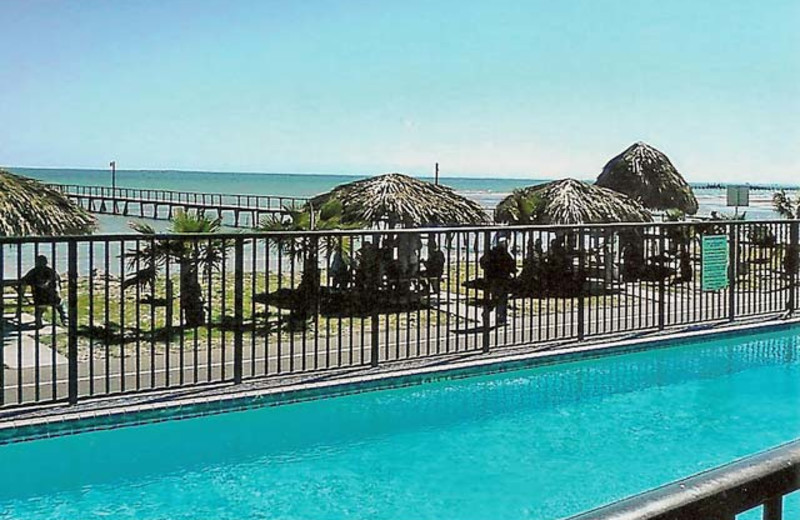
(375, 321)
(72, 321)
(790, 264)
(662, 292)
(238, 309)
(733, 259)
(436, 175)
(583, 285)
(113, 165)
(487, 295)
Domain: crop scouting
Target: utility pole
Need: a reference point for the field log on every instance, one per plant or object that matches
(113, 165)
(436, 176)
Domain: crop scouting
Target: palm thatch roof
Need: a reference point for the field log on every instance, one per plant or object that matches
(566, 202)
(648, 176)
(28, 207)
(402, 200)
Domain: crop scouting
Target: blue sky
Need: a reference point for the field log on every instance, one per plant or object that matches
(516, 88)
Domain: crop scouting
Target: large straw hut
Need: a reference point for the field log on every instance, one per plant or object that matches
(567, 202)
(28, 207)
(395, 199)
(648, 176)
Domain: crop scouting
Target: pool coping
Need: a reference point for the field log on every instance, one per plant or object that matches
(178, 408)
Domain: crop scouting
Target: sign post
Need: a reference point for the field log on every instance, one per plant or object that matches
(738, 196)
(715, 262)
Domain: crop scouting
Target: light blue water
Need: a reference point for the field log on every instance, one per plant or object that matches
(487, 191)
(541, 443)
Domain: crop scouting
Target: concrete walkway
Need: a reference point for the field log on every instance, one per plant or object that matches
(21, 348)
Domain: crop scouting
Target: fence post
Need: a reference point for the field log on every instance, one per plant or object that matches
(733, 260)
(72, 321)
(583, 285)
(375, 322)
(662, 292)
(238, 309)
(791, 263)
(487, 294)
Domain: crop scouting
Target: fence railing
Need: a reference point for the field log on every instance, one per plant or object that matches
(145, 312)
(762, 480)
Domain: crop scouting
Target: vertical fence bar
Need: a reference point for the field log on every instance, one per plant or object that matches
(773, 509)
(2, 325)
(790, 264)
(733, 258)
(487, 292)
(72, 320)
(582, 285)
(662, 267)
(238, 309)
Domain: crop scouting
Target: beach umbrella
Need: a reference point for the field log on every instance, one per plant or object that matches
(28, 207)
(401, 200)
(569, 201)
(648, 176)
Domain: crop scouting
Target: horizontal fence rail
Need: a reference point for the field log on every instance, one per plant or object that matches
(235, 210)
(762, 480)
(112, 314)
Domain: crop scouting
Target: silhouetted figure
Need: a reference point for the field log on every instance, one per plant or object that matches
(340, 270)
(387, 266)
(45, 286)
(532, 267)
(499, 269)
(558, 267)
(434, 266)
(408, 248)
(369, 268)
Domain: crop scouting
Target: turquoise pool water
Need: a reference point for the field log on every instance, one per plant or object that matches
(541, 443)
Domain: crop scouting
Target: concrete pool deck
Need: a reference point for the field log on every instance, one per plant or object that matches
(180, 403)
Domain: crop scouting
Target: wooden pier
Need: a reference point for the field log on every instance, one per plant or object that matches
(245, 211)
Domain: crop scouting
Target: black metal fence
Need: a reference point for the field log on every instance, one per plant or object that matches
(760, 481)
(144, 312)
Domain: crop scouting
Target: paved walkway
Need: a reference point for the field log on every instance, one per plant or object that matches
(22, 345)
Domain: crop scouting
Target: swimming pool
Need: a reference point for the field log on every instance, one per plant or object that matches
(546, 442)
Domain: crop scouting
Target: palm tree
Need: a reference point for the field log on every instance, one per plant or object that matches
(192, 257)
(785, 205)
(309, 247)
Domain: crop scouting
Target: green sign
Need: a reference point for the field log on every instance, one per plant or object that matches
(715, 262)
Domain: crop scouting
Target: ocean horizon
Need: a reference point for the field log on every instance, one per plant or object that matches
(488, 191)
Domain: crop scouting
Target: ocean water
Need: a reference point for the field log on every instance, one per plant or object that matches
(541, 443)
(488, 191)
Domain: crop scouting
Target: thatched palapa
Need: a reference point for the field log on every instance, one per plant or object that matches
(567, 202)
(400, 200)
(28, 207)
(648, 176)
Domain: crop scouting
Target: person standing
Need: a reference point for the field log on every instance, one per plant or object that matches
(499, 269)
(434, 266)
(45, 284)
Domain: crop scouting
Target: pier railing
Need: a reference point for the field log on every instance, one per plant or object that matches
(153, 312)
(760, 481)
